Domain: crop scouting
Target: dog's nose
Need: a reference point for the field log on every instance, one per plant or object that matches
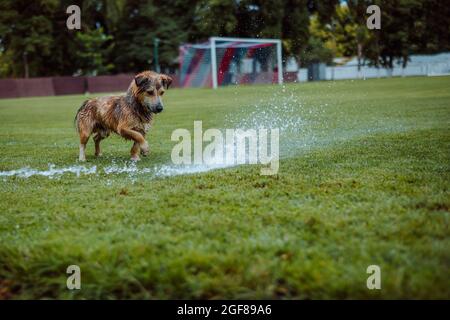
(159, 108)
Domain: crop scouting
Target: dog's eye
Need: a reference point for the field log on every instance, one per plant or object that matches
(161, 93)
(151, 92)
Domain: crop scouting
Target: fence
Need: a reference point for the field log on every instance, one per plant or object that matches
(35, 87)
(38, 87)
(351, 72)
(55, 86)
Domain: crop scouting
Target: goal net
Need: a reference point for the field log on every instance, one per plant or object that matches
(230, 61)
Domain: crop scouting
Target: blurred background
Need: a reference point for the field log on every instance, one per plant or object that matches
(321, 40)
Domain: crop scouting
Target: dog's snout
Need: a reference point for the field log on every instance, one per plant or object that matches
(159, 107)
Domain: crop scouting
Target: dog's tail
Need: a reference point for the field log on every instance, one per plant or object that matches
(75, 122)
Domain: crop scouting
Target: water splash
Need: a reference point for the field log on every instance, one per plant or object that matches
(129, 168)
(52, 171)
(276, 112)
(284, 111)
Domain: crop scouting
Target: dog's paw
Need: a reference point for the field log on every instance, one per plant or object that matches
(145, 149)
(82, 159)
(135, 158)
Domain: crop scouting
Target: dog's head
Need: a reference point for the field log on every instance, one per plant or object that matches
(149, 87)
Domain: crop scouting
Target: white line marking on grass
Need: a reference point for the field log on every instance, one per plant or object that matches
(128, 168)
(52, 171)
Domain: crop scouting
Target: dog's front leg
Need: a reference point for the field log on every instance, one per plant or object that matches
(139, 142)
(135, 151)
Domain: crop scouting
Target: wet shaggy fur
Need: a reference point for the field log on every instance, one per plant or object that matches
(129, 115)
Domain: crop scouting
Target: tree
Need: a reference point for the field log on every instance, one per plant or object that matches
(141, 22)
(26, 35)
(214, 17)
(398, 36)
(295, 29)
(319, 48)
(117, 35)
(306, 21)
(93, 49)
(397, 31)
(431, 27)
(351, 20)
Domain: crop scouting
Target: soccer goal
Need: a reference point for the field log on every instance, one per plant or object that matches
(231, 61)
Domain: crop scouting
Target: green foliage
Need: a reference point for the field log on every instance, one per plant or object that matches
(347, 30)
(406, 28)
(140, 23)
(215, 17)
(92, 52)
(393, 41)
(33, 35)
(432, 28)
(320, 47)
(370, 187)
(316, 52)
(26, 34)
(295, 31)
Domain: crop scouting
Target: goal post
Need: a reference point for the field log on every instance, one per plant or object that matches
(231, 61)
(212, 42)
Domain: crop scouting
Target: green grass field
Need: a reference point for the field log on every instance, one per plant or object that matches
(364, 180)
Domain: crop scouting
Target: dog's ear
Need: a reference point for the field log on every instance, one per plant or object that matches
(140, 80)
(166, 81)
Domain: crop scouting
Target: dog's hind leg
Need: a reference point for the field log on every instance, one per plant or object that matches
(97, 139)
(84, 137)
(85, 131)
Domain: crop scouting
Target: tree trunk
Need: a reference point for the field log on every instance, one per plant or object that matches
(405, 63)
(25, 65)
(359, 59)
(390, 67)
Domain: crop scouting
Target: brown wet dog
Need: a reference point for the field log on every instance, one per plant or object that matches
(129, 115)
